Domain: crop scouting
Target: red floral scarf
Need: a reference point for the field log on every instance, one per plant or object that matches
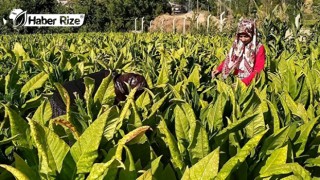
(242, 57)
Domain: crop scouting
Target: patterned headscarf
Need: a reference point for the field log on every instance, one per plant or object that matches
(241, 56)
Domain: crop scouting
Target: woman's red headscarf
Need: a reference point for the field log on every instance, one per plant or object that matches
(241, 56)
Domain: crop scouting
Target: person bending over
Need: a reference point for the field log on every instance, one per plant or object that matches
(77, 86)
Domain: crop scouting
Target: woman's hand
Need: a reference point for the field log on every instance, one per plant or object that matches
(214, 73)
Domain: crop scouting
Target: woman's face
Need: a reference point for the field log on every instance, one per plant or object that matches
(244, 38)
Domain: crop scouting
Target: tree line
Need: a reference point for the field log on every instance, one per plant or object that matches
(119, 15)
(100, 15)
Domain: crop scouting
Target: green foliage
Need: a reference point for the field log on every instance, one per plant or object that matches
(105, 15)
(51, 149)
(206, 168)
(185, 126)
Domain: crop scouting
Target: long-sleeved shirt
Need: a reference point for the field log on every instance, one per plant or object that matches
(258, 66)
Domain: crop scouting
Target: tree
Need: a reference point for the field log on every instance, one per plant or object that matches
(125, 11)
(34, 7)
(95, 14)
(5, 8)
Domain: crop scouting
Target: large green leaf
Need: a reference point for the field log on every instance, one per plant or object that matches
(176, 89)
(178, 53)
(276, 83)
(294, 168)
(279, 156)
(126, 107)
(155, 107)
(143, 100)
(185, 125)
(313, 162)
(146, 175)
(278, 139)
(51, 149)
(304, 132)
(189, 112)
(251, 105)
(64, 94)
(164, 73)
(130, 171)
(223, 88)
(34, 83)
(310, 79)
(239, 158)
(138, 132)
(257, 125)
(195, 76)
(243, 92)
(238, 125)
(182, 125)
(289, 82)
(23, 167)
(120, 59)
(135, 116)
(167, 173)
(65, 62)
(105, 93)
(311, 112)
(215, 113)
(263, 98)
(286, 111)
(172, 144)
(112, 122)
(206, 168)
(85, 150)
(304, 92)
(89, 87)
(234, 143)
(17, 174)
(11, 79)
(19, 50)
(66, 99)
(99, 170)
(69, 168)
(155, 170)
(8, 140)
(43, 113)
(18, 126)
(275, 117)
(296, 109)
(149, 80)
(31, 104)
(199, 147)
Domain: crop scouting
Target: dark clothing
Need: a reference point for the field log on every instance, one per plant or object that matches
(121, 90)
(133, 80)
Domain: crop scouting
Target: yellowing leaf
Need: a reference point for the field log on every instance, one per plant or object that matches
(206, 168)
(279, 156)
(17, 174)
(195, 76)
(34, 83)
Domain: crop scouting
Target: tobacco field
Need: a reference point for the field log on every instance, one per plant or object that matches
(185, 126)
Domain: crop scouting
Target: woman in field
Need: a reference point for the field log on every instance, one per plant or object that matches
(246, 57)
